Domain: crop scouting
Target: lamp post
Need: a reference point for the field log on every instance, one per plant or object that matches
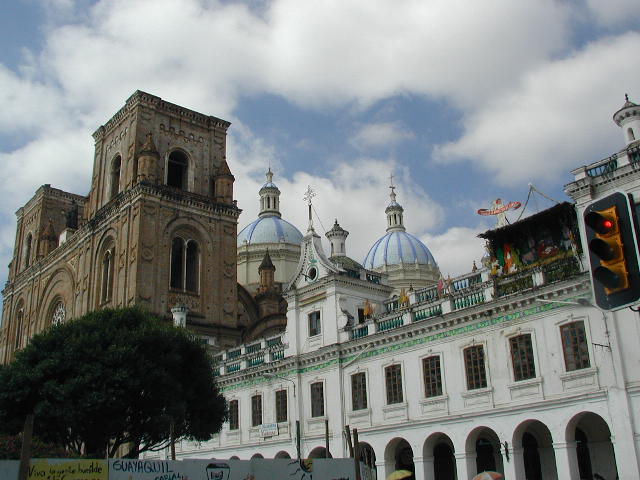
(295, 400)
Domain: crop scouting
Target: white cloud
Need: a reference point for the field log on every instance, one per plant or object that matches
(383, 134)
(27, 105)
(456, 249)
(557, 118)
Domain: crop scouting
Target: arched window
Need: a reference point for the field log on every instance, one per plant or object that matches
(630, 134)
(192, 264)
(185, 265)
(27, 250)
(59, 313)
(106, 277)
(115, 177)
(19, 326)
(177, 170)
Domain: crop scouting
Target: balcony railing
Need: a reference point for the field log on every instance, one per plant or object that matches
(429, 312)
(390, 323)
(468, 300)
(359, 332)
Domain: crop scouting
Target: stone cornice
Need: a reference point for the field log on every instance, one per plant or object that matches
(142, 98)
(48, 191)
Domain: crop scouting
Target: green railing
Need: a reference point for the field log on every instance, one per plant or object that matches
(359, 332)
(255, 347)
(234, 367)
(255, 360)
(274, 341)
(392, 305)
(466, 282)
(468, 300)
(425, 313)
(233, 354)
(390, 324)
(428, 295)
(277, 355)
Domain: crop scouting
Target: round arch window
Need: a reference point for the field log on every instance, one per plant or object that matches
(312, 273)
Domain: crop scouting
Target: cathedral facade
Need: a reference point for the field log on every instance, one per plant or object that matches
(158, 229)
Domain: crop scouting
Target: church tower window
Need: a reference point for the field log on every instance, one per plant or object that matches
(107, 277)
(27, 251)
(631, 135)
(185, 265)
(177, 168)
(191, 267)
(115, 177)
(19, 326)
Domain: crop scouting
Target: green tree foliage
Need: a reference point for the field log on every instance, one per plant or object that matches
(111, 378)
(11, 445)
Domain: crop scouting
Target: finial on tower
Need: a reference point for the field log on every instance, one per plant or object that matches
(308, 197)
(392, 187)
(269, 175)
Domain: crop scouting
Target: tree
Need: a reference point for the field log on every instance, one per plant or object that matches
(110, 378)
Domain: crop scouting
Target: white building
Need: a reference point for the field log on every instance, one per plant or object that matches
(508, 368)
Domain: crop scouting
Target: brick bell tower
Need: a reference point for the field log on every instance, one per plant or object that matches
(158, 228)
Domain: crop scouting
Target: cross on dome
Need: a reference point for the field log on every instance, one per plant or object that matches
(309, 194)
(393, 188)
(308, 197)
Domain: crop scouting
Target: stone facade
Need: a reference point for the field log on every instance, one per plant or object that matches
(158, 229)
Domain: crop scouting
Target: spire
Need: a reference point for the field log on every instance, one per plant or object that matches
(394, 211)
(269, 198)
(266, 262)
(266, 271)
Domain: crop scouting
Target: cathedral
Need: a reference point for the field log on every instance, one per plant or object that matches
(509, 367)
(158, 229)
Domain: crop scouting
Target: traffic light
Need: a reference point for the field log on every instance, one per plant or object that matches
(610, 228)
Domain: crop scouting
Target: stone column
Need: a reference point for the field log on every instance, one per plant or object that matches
(566, 460)
(429, 473)
(465, 466)
(418, 464)
(514, 467)
(381, 469)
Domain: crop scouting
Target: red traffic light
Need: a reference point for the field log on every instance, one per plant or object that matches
(602, 222)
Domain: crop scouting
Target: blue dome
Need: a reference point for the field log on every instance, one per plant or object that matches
(269, 229)
(398, 247)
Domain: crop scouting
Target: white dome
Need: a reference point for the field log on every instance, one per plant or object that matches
(269, 229)
(396, 248)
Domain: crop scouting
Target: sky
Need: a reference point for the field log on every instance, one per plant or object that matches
(462, 101)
